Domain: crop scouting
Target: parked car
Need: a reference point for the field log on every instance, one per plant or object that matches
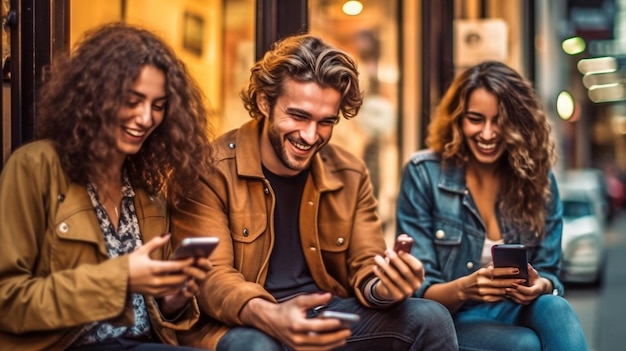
(593, 182)
(583, 237)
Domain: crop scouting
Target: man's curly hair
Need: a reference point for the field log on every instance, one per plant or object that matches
(530, 149)
(303, 58)
(82, 95)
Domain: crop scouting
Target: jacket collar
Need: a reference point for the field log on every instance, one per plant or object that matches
(75, 199)
(452, 177)
(248, 158)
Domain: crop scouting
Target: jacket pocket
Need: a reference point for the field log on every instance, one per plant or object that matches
(250, 243)
(247, 227)
(447, 238)
(335, 237)
(76, 240)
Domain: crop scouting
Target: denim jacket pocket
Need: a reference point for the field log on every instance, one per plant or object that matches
(447, 238)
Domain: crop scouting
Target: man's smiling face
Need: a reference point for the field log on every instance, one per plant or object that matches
(298, 126)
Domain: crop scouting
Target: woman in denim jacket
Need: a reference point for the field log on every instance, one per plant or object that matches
(486, 179)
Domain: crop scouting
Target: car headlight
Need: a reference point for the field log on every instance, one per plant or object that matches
(584, 248)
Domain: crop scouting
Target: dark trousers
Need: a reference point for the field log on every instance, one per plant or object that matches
(415, 324)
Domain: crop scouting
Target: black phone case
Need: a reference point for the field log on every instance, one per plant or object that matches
(511, 255)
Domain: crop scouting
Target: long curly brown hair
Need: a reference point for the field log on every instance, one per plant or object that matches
(304, 58)
(530, 149)
(82, 95)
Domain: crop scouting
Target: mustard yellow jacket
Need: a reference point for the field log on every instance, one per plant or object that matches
(339, 227)
(55, 273)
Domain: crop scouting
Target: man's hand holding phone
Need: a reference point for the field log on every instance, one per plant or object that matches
(400, 274)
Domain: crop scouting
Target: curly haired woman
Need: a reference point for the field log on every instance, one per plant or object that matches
(486, 179)
(122, 136)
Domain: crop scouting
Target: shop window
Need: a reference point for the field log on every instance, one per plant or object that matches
(214, 38)
(370, 36)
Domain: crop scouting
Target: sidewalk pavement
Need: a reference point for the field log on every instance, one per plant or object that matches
(611, 330)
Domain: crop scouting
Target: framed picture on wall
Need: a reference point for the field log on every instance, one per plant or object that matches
(193, 33)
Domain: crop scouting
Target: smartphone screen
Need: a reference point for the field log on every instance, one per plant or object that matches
(195, 247)
(511, 255)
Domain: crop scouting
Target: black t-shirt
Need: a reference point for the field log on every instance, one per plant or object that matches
(288, 272)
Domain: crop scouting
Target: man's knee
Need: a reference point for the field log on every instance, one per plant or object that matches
(431, 310)
(248, 339)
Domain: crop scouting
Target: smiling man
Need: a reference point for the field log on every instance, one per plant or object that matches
(297, 222)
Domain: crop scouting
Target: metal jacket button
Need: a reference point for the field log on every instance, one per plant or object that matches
(340, 241)
(440, 234)
(246, 232)
(63, 227)
(231, 145)
(470, 265)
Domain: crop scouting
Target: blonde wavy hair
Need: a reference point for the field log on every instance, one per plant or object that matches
(530, 149)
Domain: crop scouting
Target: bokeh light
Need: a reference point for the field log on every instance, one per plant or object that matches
(352, 7)
(574, 46)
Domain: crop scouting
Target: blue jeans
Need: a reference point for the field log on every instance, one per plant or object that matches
(549, 324)
(415, 324)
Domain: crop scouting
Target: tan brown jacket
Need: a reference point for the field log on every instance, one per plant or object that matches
(55, 272)
(339, 227)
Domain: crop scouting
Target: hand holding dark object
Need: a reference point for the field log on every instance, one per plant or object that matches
(511, 255)
(288, 322)
(488, 284)
(174, 280)
(400, 275)
(525, 294)
(196, 274)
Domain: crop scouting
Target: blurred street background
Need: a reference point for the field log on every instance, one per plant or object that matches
(602, 309)
(408, 52)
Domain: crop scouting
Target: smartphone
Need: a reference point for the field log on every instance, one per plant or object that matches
(195, 247)
(511, 255)
(347, 319)
(404, 243)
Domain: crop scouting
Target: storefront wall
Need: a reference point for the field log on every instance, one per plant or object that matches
(217, 38)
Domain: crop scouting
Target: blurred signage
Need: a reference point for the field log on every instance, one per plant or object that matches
(607, 93)
(592, 19)
(479, 40)
(607, 47)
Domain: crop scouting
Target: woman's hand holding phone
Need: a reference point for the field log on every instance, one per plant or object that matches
(511, 256)
(172, 281)
(197, 252)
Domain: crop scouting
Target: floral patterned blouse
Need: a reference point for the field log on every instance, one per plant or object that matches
(126, 240)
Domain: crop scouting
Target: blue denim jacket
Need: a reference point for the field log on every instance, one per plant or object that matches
(436, 209)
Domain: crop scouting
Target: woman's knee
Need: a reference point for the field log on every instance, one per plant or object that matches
(551, 305)
(476, 336)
